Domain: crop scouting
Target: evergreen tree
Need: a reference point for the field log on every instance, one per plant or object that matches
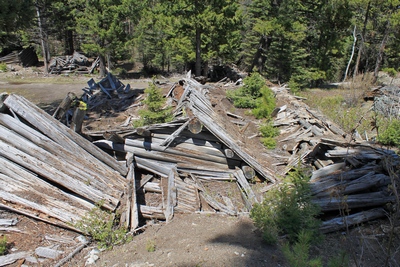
(102, 24)
(15, 15)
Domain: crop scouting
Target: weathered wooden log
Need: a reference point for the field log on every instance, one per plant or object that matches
(11, 258)
(40, 154)
(328, 170)
(61, 134)
(365, 200)
(177, 151)
(248, 172)
(171, 195)
(53, 174)
(349, 187)
(184, 161)
(245, 187)
(149, 212)
(340, 223)
(3, 97)
(113, 179)
(190, 140)
(64, 106)
(152, 187)
(77, 119)
(175, 134)
(132, 205)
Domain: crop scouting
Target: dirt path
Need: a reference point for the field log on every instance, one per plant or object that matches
(206, 240)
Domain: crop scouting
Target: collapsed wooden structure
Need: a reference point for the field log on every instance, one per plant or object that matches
(196, 163)
(26, 57)
(75, 63)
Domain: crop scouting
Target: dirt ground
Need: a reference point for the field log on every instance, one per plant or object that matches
(189, 239)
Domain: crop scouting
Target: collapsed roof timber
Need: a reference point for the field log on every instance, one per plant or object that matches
(198, 162)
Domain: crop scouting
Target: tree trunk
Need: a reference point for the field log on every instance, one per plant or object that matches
(102, 68)
(259, 58)
(69, 42)
(360, 49)
(198, 53)
(43, 38)
(381, 51)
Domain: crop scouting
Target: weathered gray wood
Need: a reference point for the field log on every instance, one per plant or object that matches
(59, 152)
(77, 119)
(171, 195)
(175, 134)
(248, 172)
(33, 214)
(60, 133)
(353, 201)
(183, 161)
(143, 181)
(175, 151)
(349, 187)
(53, 174)
(340, 223)
(132, 205)
(3, 97)
(149, 212)
(48, 253)
(11, 258)
(328, 170)
(8, 137)
(244, 185)
(152, 187)
(64, 106)
(8, 222)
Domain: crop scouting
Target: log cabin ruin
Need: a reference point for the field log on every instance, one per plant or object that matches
(207, 159)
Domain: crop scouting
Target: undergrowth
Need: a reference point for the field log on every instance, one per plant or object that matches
(102, 226)
(155, 110)
(3, 246)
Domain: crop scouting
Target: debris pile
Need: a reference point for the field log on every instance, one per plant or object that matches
(77, 63)
(26, 57)
(350, 176)
(199, 162)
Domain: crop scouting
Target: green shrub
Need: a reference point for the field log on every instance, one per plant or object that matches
(154, 111)
(150, 245)
(390, 71)
(306, 78)
(287, 209)
(3, 67)
(298, 255)
(102, 226)
(254, 94)
(264, 104)
(3, 246)
(268, 133)
(390, 135)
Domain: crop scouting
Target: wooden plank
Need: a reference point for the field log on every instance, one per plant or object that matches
(11, 258)
(242, 182)
(132, 199)
(53, 174)
(353, 201)
(71, 159)
(61, 134)
(363, 183)
(340, 223)
(171, 195)
(175, 134)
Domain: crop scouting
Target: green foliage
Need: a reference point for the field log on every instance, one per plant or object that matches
(390, 71)
(155, 110)
(254, 94)
(102, 226)
(3, 67)
(268, 133)
(150, 245)
(3, 245)
(390, 133)
(306, 78)
(287, 210)
(298, 255)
